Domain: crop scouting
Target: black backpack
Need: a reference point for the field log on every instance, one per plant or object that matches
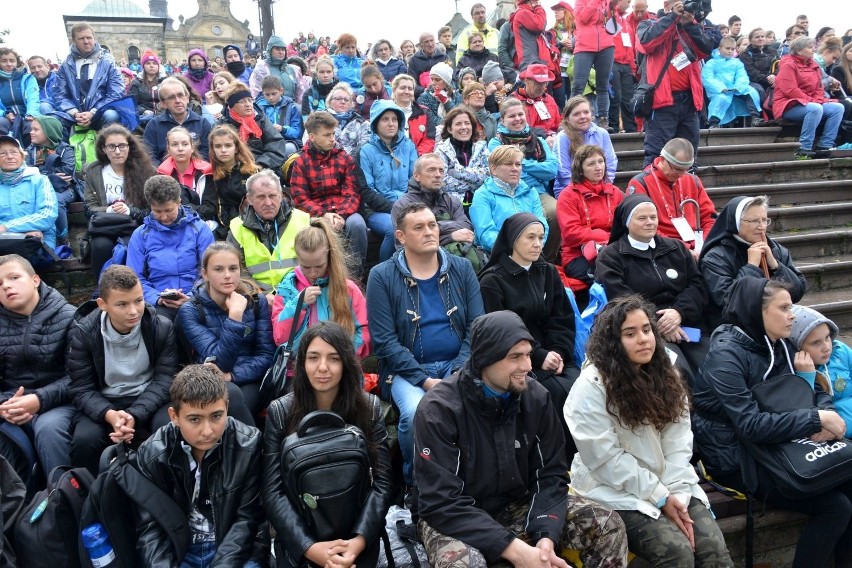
(327, 473)
(48, 530)
(117, 491)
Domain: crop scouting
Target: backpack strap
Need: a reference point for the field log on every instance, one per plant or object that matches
(147, 495)
(55, 482)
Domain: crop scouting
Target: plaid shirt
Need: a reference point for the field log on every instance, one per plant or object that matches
(324, 182)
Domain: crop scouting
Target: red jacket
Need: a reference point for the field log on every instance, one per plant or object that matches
(528, 26)
(667, 196)
(797, 81)
(421, 129)
(626, 55)
(533, 119)
(590, 17)
(584, 212)
(324, 182)
(656, 38)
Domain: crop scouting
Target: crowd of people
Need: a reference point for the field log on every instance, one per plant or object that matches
(231, 205)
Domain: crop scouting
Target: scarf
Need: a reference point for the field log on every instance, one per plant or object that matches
(524, 139)
(90, 55)
(197, 74)
(248, 127)
(9, 178)
(343, 118)
(509, 189)
(6, 74)
(236, 68)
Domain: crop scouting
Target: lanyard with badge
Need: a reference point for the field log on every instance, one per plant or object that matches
(686, 232)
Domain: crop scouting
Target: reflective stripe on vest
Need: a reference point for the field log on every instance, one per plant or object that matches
(263, 265)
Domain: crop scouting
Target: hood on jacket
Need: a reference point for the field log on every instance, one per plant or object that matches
(623, 213)
(378, 109)
(491, 337)
(744, 308)
(199, 52)
(52, 128)
(229, 47)
(727, 223)
(509, 232)
(806, 321)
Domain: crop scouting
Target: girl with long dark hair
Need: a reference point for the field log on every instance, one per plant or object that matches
(327, 377)
(114, 184)
(225, 189)
(629, 415)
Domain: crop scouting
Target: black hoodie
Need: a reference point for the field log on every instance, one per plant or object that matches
(724, 260)
(743, 355)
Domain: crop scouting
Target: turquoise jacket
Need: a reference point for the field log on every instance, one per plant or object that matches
(29, 204)
(720, 73)
(387, 169)
(535, 174)
(492, 206)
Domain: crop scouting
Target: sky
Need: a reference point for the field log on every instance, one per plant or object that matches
(370, 20)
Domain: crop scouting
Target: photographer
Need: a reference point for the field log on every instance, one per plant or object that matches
(674, 45)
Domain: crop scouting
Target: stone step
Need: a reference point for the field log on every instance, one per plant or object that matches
(716, 137)
(776, 533)
(813, 244)
(835, 304)
(825, 274)
(722, 155)
(821, 191)
(813, 216)
(762, 172)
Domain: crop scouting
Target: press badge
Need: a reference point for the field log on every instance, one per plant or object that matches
(683, 229)
(625, 39)
(541, 109)
(680, 61)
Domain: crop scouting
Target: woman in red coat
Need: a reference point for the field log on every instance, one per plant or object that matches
(585, 211)
(800, 97)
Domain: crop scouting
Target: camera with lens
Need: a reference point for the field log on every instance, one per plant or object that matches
(698, 8)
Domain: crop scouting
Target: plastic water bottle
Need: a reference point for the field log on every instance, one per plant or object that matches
(97, 544)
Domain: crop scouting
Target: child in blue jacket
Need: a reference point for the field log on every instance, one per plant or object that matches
(284, 114)
(816, 335)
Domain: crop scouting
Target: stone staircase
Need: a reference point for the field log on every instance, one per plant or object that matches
(811, 202)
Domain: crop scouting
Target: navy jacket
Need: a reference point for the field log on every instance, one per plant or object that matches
(392, 292)
(159, 126)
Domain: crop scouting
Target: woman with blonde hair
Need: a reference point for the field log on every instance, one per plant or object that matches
(184, 163)
(322, 280)
(232, 163)
(353, 131)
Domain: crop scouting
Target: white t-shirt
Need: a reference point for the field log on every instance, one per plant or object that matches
(113, 185)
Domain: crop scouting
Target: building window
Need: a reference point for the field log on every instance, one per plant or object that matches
(217, 52)
(217, 30)
(132, 54)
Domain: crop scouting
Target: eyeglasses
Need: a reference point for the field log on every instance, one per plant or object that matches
(341, 99)
(7, 153)
(174, 97)
(756, 222)
(117, 147)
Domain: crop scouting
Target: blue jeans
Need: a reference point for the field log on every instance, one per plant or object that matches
(200, 555)
(810, 115)
(52, 431)
(602, 62)
(356, 233)
(109, 116)
(407, 396)
(382, 225)
(63, 198)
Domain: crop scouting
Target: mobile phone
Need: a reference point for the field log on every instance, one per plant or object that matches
(211, 359)
(170, 295)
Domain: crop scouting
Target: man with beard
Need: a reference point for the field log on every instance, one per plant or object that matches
(490, 466)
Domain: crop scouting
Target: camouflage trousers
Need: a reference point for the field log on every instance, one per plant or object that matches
(594, 530)
(661, 543)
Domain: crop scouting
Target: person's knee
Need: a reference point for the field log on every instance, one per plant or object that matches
(814, 109)
(110, 116)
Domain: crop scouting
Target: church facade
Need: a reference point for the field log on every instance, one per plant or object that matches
(126, 30)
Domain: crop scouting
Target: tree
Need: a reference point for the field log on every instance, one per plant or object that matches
(4, 33)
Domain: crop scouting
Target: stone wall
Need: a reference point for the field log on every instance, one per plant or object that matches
(118, 35)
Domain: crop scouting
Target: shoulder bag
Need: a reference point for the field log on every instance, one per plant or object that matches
(800, 467)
